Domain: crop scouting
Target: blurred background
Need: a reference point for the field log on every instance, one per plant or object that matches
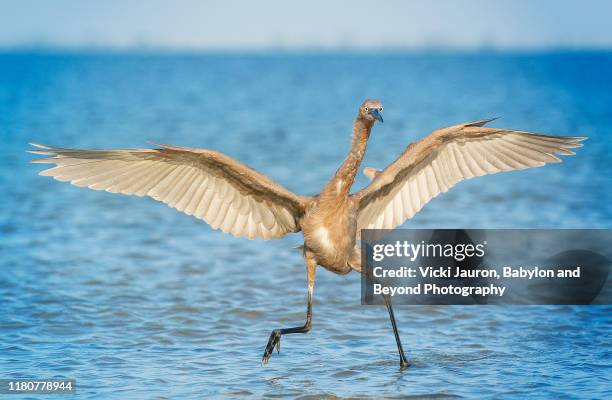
(136, 300)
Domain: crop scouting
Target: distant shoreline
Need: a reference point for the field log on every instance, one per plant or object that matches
(304, 51)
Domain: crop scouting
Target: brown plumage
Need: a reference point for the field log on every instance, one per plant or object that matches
(237, 199)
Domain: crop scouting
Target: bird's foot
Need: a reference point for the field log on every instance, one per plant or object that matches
(274, 341)
(404, 364)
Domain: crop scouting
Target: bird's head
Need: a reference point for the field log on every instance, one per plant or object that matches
(370, 110)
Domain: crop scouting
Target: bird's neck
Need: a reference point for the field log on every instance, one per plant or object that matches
(341, 183)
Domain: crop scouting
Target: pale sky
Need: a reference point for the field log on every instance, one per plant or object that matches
(318, 24)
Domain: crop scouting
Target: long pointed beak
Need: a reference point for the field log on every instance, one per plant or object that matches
(376, 114)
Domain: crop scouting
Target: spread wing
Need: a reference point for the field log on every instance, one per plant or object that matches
(445, 157)
(207, 184)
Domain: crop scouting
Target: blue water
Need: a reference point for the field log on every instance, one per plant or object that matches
(135, 300)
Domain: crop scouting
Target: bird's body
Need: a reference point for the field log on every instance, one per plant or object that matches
(329, 234)
(330, 223)
(239, 200)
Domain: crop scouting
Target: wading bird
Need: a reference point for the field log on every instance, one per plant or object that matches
(237, 199)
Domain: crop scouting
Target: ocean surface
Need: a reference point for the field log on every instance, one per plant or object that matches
(135, 300)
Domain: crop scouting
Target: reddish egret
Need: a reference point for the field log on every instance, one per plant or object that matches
(237, 199)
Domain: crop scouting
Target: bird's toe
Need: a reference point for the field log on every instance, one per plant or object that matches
(273, 342)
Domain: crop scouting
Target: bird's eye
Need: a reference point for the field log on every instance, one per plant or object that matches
(365, 109)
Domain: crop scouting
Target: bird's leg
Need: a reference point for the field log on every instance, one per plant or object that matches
(403, 361)
(355, 263)
(275, 337)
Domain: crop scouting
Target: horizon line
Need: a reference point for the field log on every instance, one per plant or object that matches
(279, 49)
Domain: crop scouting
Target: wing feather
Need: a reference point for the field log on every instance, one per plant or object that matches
(209, 185)
(446, 157)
